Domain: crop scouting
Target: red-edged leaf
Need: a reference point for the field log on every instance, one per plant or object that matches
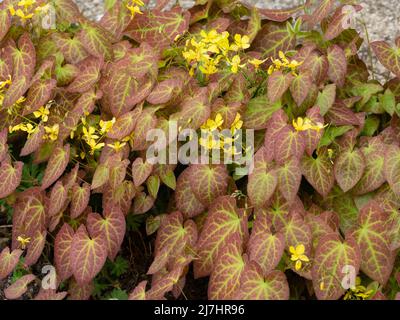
(339, 115)
(100, 176)
(326, 98)
(194, 112)
(89, 75)
(321, 12)
(186, 201)
(96, 40)
(80, 292)
(373, 176)
(3, 144)
(88, 255)
(112, 227)
(145, 122)
(8, 261)
(80, 199)
(159, 29)
(141, 171)
(166, 284)
(139, 293)
(19, 287)
(274, 37)
(317, 65)
(35, 247)
(319, 172)
(263, 180)
(388, 56)
(278, 83)
(5, 23)
(256, 285)
(24, 58)
(223, 221)
(300, 87)
(16, 90)
(143, 203)
(392, 168)
(296, 232)
(50, 294)
(34, 142)
(264, 247)
(56, 166)
(72, 48)
(289, 178)
(124, 125)
(58, 198)
(290, 143)
(164, 91)
(171, 240)
(337, 65)
(229, 267)
(39, 94)
(10, 177)
(331, 256)
(208, 182)
(62, 252)
(349, 168)
(117, 173)
(280, 15)
(372, 237)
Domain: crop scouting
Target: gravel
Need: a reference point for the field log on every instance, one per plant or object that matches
(381, 17)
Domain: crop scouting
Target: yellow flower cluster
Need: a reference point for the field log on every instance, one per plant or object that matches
(208, 51)
(284, 64)
(304, 124)
(298, 256)
(26, 9)
(134, 7)
(213, 140)
(30, 127)
(359, 292)
(93, 136)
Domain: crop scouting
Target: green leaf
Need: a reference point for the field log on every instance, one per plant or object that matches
(259, 110)
(331, 256)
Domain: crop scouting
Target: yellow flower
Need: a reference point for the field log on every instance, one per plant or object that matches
(5, 83)
(23, 16)
(237, 123)
(133, 8)
(106, 126)
(298, 255)
(21, 100)
(302, 124)
(26, 4)
(12, 10)
(359, 292)
(282, 56)
(257, 62)
(209, 142)
(52, 132)
(235, 64)
(117, 146)
(306, 124)
(23, 241)
(208, 67)
(43, 113)
(241, 42)
(213, 124)
(94, 146)
(89, 133)
(210, 37)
